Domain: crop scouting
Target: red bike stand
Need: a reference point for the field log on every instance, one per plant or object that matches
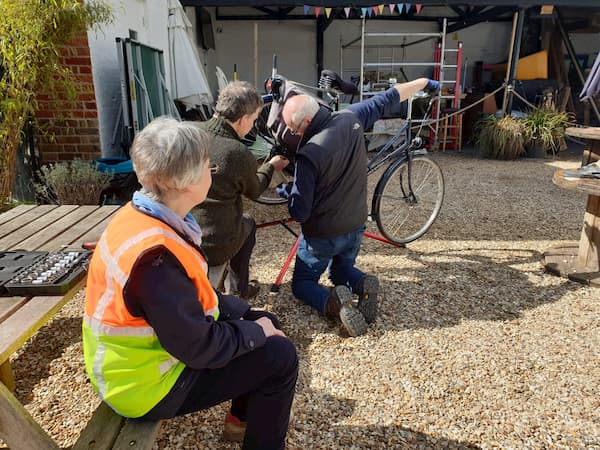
(288, 260)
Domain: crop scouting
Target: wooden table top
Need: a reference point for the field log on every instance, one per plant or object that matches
(584, 133)
(590, 186)
(43, 228)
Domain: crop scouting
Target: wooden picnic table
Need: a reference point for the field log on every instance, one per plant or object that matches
(49, 228)
(579, 261)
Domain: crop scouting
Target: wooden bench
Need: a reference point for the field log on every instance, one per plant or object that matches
(107, 430)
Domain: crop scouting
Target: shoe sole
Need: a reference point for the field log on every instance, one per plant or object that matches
(351, 318)
(367, 303)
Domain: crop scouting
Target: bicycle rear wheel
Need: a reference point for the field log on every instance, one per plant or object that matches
(403, 216)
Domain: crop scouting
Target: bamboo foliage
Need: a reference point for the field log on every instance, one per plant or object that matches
(32, 33)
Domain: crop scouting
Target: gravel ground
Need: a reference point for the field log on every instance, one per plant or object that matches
(475, 346)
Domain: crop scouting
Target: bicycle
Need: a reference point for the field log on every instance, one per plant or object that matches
(410, 191)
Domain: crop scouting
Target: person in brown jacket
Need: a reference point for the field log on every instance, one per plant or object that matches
(228, 233)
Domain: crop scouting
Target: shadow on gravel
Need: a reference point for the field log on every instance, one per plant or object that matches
(442, 288)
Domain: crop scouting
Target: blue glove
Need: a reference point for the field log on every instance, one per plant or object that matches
(432, 87)
(284, 189)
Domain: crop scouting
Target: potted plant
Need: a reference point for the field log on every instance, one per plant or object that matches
(503, 138)
(545, 131)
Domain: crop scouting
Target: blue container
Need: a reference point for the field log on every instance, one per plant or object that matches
(115, 165)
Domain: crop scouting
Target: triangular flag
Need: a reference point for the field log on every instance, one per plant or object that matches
(347, 11)
(306, 9)
(370, 11)
(400, 7)
(327, 12)
(364, 12)
(380, 9)
(317, 10)
(392, 6)
(407, 7)
(374, 10)
(418, 6)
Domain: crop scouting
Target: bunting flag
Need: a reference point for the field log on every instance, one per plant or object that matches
(370, 11)
(347, 11)
(364, 12)
(317, 10)
(418, 6)
(392, 6)
(306, 9)
(380, 8)
(327, 12)
(374, 10)
(400, 7)
(407, 8)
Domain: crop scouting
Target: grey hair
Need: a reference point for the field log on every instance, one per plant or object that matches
(307, 109)
(169, 155)
(236, 100)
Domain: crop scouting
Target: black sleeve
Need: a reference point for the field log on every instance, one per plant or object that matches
(159, 290)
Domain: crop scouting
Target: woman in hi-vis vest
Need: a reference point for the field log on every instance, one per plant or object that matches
(159, 341)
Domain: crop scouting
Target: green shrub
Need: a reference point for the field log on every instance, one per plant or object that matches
(500, 138)
(547, 128)
(74, 182)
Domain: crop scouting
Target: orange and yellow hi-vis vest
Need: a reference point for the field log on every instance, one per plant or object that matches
(126, 363)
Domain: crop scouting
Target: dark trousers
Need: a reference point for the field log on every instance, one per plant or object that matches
(260, 383)
(239, 265)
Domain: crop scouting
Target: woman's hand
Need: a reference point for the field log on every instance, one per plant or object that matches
(268, 327)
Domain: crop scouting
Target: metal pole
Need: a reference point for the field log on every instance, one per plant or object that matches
(508, 66)
(573, 57)
(362, 59)
(515, 57)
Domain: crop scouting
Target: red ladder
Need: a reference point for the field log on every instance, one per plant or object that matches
(451, 130)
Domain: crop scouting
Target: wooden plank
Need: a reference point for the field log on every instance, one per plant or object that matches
(589, 243)
(73, 236)
(25, 322)
(101, 431)
(137, 435)
(59, 228)
(13, 240)
(7, 377)
(23, 219)
(584, 133)
(17, 428)
(14, 212)
(94, 234)
(8, 305)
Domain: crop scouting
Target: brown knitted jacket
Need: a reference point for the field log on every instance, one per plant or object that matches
(220, 216)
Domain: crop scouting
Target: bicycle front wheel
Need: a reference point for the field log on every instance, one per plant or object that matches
(407, 201)
(270, 196)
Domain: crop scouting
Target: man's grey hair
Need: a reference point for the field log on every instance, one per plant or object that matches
(236, 100)
(307, 109)
(169, 155)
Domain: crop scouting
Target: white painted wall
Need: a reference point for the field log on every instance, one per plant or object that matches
(147, 17)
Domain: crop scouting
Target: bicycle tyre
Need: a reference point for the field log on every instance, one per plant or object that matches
(400, 219)
(269, 196)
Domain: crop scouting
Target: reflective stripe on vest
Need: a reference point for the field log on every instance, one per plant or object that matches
(109, 330)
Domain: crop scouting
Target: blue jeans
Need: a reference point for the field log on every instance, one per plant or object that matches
(315, 255)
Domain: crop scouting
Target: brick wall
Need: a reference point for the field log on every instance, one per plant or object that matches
(72, 130)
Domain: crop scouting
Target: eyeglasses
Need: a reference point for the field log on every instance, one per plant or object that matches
(295, 130)
(214, 168)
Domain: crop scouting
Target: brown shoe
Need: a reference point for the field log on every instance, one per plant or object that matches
(234, 429)
(251, 291)
(367, 298)
(339, 304)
